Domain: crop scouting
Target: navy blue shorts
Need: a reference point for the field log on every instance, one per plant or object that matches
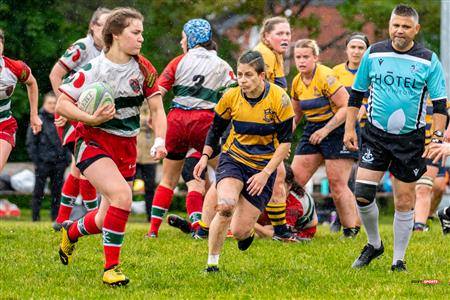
(442, 169)
(331, 147)
(228, 167)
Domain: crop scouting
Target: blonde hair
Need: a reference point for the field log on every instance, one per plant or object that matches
(269, 25)
(308, 43)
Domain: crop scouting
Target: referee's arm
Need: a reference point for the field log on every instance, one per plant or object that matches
(354, 103)
(440, 116)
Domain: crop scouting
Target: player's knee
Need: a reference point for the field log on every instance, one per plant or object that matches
(225, 207)
(365, 192)
(424, 182)
(122, 198)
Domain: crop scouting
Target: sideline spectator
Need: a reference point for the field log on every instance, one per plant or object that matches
(146, 165)
(49, 157)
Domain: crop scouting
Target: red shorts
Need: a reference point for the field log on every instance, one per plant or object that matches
(67, 132)
(186, 129)
(307, 232)
(303, 233)
(8, 130)
(93, 143)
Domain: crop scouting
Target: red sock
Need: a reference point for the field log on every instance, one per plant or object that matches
(113, 234)
(161, 203)
(88, 194)
(69, 194)
(194, 203)
(84, 226)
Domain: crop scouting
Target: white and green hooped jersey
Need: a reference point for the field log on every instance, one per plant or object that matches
(399, 83)
(129, 87)
(79, 54)
(198, 79)
(297, 203)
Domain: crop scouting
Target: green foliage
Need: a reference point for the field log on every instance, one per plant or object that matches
(170, 267)
(358, 13)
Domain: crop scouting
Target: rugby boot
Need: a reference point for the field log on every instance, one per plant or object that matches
(445, 221)
(367, 255)
(211, 269)
(179, 222)
(66, 247)
(244, 244)
(200, 234)
(289, 237)
(115, 277)
(399, 266)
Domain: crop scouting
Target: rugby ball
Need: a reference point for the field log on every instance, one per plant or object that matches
(95, 95)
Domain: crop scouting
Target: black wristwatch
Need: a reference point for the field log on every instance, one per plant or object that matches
(438, 133)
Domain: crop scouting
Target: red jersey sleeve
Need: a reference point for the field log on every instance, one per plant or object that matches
(151, 79)
(18, 68)
(168, 75)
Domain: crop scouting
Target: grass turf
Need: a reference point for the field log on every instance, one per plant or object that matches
(171, 267)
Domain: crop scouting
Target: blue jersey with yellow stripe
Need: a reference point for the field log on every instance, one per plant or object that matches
(347, 76)
(314, 98)
(399, 83)
(253, 137)
(274, 65)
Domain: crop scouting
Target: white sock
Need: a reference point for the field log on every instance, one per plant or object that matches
(213, 260)
(369, 217)
(403, 225)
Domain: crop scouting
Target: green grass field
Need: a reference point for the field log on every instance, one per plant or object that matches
(171, 267)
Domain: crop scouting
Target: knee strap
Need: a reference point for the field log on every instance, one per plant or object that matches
(365, 190)
(425, 181)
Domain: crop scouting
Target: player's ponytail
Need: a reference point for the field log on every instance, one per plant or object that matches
(290, 181)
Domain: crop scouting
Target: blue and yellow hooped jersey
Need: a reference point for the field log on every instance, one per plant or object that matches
(253, 136)
(314, 98)
(274, 65)
(347, 76)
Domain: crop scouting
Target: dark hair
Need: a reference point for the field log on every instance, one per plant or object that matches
(405, 11)
(254, 59)
(290, 180)
(96, 15)
(117, 21)
(209, 45)
(358, 36)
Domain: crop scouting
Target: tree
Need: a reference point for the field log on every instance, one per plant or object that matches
(358, 13)
(38, 32)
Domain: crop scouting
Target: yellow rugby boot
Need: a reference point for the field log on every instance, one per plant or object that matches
(115, 277)
(66, 247)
